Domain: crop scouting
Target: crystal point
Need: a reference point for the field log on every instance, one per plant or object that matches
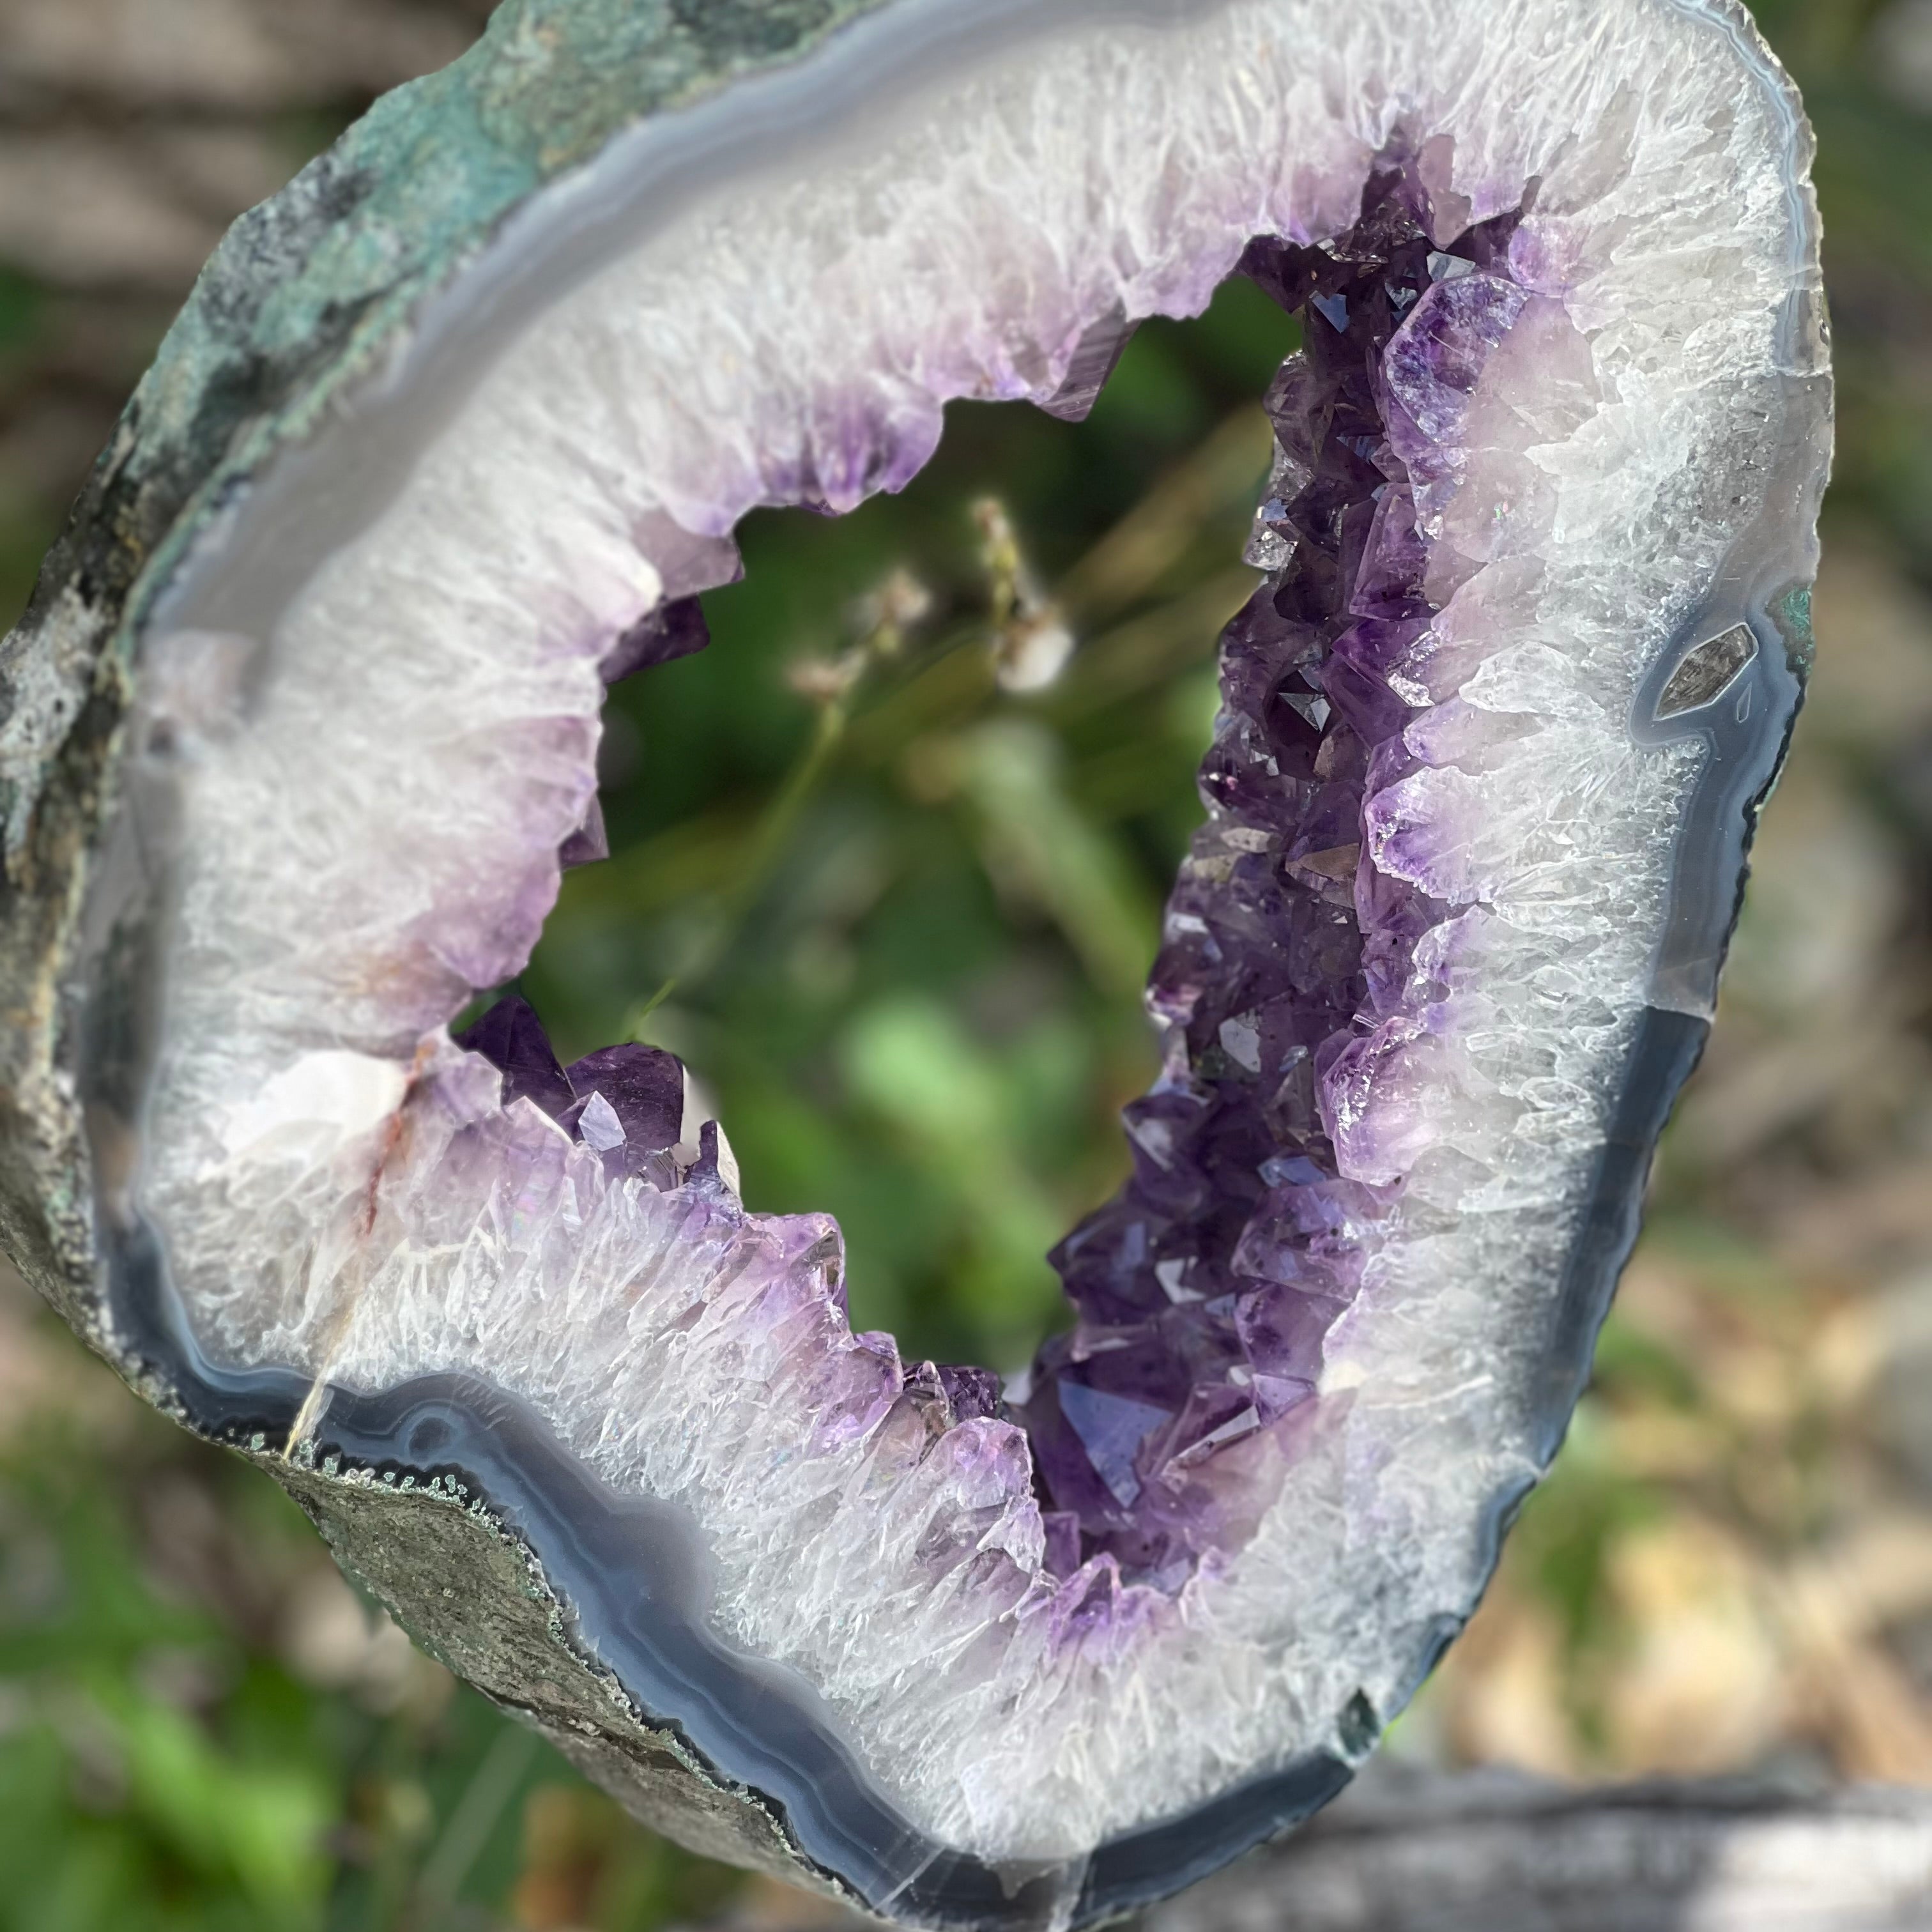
(512, 1038)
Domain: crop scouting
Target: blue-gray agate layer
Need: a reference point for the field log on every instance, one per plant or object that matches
(302, 728)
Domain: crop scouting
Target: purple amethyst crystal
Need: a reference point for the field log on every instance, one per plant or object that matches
(971, 1392)
(589, 843)
(511, 1038)
(1204, 1290)
(643, 1087)
(625, 1103)
(675, 629)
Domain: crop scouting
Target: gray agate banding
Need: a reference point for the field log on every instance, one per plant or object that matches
(303, 728)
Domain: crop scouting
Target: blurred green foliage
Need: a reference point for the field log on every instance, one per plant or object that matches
(177, 1755)
(117, 1807)
(899, 930)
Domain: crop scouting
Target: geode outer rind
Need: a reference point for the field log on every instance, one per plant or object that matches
(71, 693)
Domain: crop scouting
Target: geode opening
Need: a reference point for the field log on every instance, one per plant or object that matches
(1432, 971)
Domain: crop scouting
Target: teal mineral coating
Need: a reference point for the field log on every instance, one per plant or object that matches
(1793, 614)
(306, 290)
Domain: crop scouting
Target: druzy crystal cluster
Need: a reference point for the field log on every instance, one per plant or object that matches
(305, 724)
(1205, 1289)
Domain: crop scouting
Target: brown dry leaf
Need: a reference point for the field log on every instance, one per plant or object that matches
(567, 1834)
(233, 56)
(1501, 1695)
(1873, 1719)
(1834, 1605)
(1882, 1216)
(1877, 1574)
(1700, 1687)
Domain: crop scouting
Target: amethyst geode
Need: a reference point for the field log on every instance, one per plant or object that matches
(303, 728)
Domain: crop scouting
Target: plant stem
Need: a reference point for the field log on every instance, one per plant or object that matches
(768, 845)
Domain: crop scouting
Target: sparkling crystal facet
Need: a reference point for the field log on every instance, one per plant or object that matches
(1205, 1289)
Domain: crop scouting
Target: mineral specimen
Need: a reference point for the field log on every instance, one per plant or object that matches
(302, 728)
